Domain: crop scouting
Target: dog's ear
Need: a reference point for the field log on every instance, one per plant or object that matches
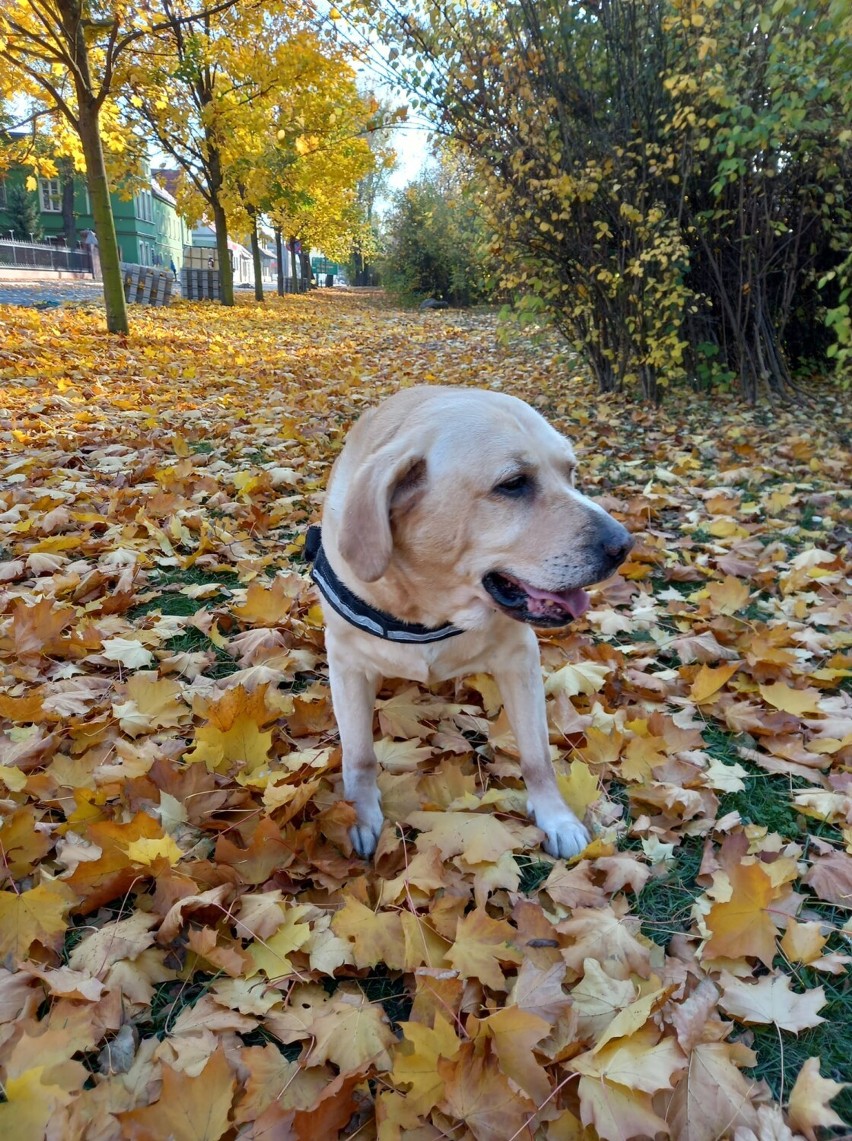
(388, 484)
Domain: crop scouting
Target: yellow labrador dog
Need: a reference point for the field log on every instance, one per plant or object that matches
(451, 526)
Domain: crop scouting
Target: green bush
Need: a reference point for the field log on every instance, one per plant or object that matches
(433, 242)
(671, 178)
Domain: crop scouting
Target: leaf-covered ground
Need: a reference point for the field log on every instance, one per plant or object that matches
(189, 948)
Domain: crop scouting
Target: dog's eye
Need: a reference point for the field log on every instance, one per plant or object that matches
(514, 488)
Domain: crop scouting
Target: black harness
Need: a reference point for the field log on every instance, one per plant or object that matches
(358, 612)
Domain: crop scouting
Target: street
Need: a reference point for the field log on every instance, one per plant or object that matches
(46, 294)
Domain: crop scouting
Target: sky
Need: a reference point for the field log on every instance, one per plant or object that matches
(411, 144)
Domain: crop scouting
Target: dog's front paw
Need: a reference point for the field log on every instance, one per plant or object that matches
(365, 833)
(564, 836)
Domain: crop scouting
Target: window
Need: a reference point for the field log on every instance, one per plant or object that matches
(50, 191)
(144, 208)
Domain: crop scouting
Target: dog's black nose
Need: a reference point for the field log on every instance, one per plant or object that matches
(616, 541)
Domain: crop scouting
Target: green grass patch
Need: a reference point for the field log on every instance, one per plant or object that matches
(192, 641)
(171, 998)
(261, 1037)
(664, 905)
(171, 602)
(767, 798)
(533, 873)
(781, 1053)
(388, 989)
(195, 576)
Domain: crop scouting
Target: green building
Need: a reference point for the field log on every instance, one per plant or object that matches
(148, 227)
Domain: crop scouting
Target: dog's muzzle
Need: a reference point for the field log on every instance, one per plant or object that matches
(550, 608)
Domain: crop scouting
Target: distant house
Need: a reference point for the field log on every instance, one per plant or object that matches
(148, 227)
(204, 236)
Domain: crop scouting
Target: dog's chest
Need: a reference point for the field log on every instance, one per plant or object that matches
(470, 652)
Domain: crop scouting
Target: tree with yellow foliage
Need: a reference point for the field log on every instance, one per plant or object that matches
(307, 178)
(69, 56)
(210, 95)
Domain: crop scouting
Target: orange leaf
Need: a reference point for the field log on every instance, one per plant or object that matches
(477, 1093)
(742, 926)
(112, 874)
(709, 680)
(188, 1108)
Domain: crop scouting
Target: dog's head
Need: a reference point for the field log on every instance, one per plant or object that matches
(470, 496)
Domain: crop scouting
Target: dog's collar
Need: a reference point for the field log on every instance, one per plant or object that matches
(358, 612)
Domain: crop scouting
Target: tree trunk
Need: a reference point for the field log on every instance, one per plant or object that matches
(220, 224)
(226, 271)
(293, 266)
(279, 260)
(98, 184)
(88, 128)
(255, 257)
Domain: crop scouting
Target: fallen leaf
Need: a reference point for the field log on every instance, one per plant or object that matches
(808, 1108)
(771, 999)
(188, 1108)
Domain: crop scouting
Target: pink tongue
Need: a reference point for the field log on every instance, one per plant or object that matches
(576, 601)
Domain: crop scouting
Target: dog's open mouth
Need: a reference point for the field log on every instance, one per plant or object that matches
(531, 604)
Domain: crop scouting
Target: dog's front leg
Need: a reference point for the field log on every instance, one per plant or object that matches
(523, 695)
(353, 695)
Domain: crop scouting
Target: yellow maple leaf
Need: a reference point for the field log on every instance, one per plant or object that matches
(580, 789)
(190, 1107)
(29, 1103)
(727, 596)
(641, 1061)
(515, 1033)
(617, 1112)
(416, 1061)
(128, 651)
(147, 850)
(269, 604)
(809, 1109)
(271, 955)
(376, 936)
(795, 701)
(713, 1097)
(632, 1018)
(803, 942)
(37, 915)
(350, 1032)
(611, 938)
(480, 837)
(579, 677)
(770, 999)
(153, 703)
(234, 735)
(477, 1093)
(598, 997)
(481, 944)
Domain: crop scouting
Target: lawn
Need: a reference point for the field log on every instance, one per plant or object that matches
(190, 949)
